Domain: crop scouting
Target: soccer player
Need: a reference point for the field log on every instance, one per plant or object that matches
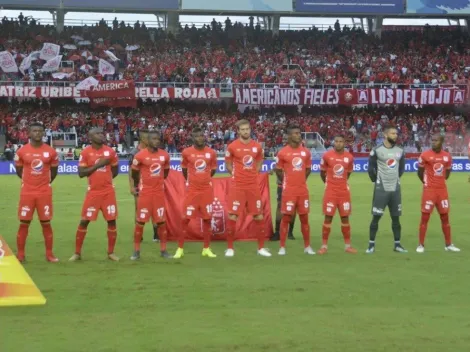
(434, 169)
(37, 165)
(276, 234)
(244, 158)
(294, 165)
(336, 166)
(386, 166)
(143, 136)
(99, 163)
(199, 165)
(150, 168)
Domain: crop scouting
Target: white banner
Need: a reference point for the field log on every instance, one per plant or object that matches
(25, 64)
(7, 62)
(105, 68)
(111, 55)
(49, 51)
(87, 83)
(52, 65)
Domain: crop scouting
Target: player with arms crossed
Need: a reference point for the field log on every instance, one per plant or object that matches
(244, 158)
(199, 165)
(294, 165)
(386, 166)
(37, 165)
(434, 169)
(150, 168)
(143, 136)
(336, 166)
(99, 163)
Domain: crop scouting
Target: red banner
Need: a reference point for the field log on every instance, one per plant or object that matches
(174, 196)
(395, 96)
(52, 92)
(113, 94)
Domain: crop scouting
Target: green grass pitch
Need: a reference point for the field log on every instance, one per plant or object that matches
(338, 302)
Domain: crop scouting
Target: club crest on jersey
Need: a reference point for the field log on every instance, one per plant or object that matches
(155, 169)
(200, 165)
(46, 154)
(391, 163)
(106, 153)
(446, 159)
(438, 169)
(248, 161)
(297, 163)
(37, 165)
(338, 170)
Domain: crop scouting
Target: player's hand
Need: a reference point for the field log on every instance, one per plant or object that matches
(135, 191)
(103, 162)
(271, 172)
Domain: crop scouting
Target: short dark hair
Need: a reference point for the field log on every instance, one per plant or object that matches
(338, 136)
(155, 132)
(242, 123)
(389, 127)
(36, 124)
(197, 130)
(291, 128)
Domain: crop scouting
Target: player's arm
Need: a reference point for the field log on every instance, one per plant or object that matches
(229, 159)
(421, 169)
(214, 164)
(84, 171)
(131, 180)
(308, 169)
(54, 165)
(135, 174)
(372, 166)
(449, 168)
(401, 165)
(184, 165)
(259, 160)
(19, 164)
(114, 165)
(351, 167)
(166, 167)
(279, 167)
(323, 167)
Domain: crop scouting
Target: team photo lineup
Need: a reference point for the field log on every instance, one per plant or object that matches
(37, 165)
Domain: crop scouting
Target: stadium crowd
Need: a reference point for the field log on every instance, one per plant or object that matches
(237, 53)
(362, 126)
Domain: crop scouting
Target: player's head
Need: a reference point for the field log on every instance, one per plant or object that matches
(243, 129)
(285, 139)
(96, 136)
(199, 139)
(143, 136)
(437, 141)
(36, 132)
(338, 143)
(153, 139)
(294, 134)
(391, 134)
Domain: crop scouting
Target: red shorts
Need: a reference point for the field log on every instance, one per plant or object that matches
(42, 203)
(198, 204)
(150, 207)
(291, 205)
(239, 199)
(435, 198)
(342, 202)
(95, 202)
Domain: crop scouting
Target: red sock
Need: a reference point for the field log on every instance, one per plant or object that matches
(163, 236)
(21, 238)
(112, 235)
(446, 229)
(48, 237)
(79, 239)
(346, 230)
(285, 221)
(183, 233)
(423, 227)
(231, 226)
(138, 232)
(261, 233)
(325, 233)
(305, 229)
(207, 232)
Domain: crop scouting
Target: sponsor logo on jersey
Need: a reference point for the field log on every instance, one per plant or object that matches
(248, 161)
(37, 165)
(391, 163)
(297, 163)
(200, 165)
(438, 169)
(338, 170)
(155, 169)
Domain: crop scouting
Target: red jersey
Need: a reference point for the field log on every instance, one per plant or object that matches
(294, 162)
(245, 159)
(337, 167)
(151, 167)
(435, 166)
(100, 181)
(200, 164)
(36, 163)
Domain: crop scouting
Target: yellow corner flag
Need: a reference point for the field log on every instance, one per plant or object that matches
(16, 287)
